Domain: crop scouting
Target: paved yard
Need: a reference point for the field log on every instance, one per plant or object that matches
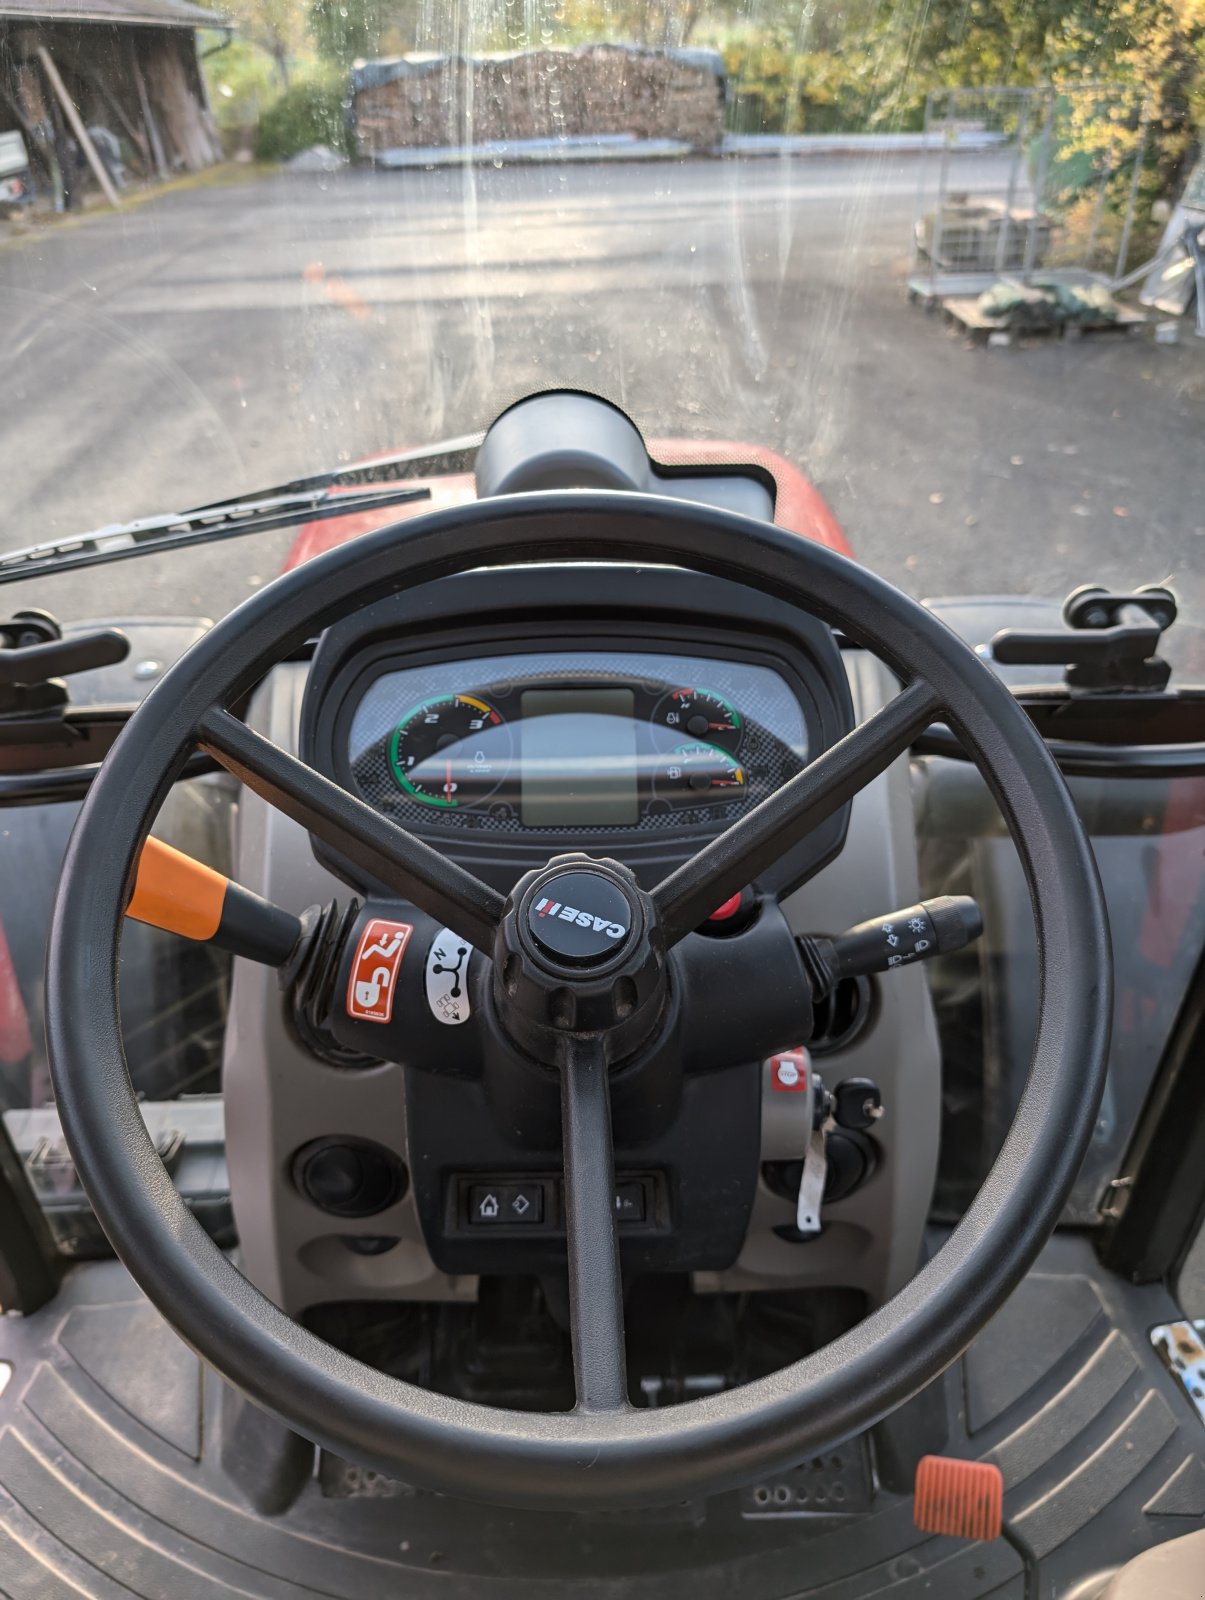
(223, 338)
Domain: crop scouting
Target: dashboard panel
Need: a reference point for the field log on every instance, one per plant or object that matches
(574, 739)
(512, 715)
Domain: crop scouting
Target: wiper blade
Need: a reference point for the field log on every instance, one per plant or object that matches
(449, 455)
(173, 531)
(342, 492)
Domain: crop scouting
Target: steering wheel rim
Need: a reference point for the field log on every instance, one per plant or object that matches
(571, 1460)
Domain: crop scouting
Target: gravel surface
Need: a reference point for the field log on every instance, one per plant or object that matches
(222, 338)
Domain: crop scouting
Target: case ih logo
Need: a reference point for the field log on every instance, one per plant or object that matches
(374, 969)
(583, 919)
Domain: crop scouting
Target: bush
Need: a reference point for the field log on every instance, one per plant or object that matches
(775, 88)
(309, 112)
(243, 81)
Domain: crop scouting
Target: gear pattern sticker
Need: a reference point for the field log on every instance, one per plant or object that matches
(447, 978)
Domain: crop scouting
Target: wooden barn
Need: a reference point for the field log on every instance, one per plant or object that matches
(99, 88)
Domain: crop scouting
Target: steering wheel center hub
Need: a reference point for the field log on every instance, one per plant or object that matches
(580, 919)
(578, 952)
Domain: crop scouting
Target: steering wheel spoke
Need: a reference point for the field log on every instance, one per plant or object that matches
(686, 898)
(595, 1282)
(403, 863)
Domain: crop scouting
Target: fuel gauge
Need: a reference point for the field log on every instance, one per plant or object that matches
(698, 774)
(703, 715)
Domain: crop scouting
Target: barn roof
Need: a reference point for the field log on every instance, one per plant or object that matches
(141, 13)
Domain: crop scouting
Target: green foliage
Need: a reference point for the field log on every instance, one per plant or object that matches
(276, 26)
(793, 66)
(1157, 47)
(870, 65)
(309, 112)
(344, 29)
(243, 81)
(348, 30)
(773, 88)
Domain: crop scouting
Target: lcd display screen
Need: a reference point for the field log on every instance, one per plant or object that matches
(578, 758)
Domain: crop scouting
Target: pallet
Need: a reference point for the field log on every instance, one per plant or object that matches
(965, 313)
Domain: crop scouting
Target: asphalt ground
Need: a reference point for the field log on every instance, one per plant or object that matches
(228, 336)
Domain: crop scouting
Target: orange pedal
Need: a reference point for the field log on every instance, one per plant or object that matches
(962, 1498)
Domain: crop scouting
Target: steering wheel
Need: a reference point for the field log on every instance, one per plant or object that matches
(604, 1453)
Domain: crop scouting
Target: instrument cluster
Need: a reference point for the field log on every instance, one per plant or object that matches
(587, 739)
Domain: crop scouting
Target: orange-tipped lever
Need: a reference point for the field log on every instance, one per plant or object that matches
(180, 895)
(961, 1498)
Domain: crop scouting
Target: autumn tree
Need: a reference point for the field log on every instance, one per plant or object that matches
(276, 26)
(345, 30)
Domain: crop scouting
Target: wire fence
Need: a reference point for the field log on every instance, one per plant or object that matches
(1028, 182)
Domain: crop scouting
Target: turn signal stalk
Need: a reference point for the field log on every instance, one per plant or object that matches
(180, 895)
(918, 933)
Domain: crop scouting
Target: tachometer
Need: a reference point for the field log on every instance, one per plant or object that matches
(454, 750)
(701, 714)
(698, 774)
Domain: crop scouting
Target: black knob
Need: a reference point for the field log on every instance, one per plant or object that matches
(857, 1104)
(349, 1177)
(576, 952)
(369, 1244)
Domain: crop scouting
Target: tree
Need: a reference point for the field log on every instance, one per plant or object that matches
(1157, 47)
(277, 26)
(347, 30)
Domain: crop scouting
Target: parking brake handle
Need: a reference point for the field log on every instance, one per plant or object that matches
(930, 928)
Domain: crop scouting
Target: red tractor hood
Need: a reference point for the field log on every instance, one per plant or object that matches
(797, 504)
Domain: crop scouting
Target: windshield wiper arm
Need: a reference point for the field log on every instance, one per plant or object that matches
(449, 455)
(223, 520)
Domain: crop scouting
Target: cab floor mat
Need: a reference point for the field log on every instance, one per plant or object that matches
(114, 1479)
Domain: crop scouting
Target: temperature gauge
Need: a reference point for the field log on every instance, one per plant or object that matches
(451, 751)
(701, 714)
(699, 774)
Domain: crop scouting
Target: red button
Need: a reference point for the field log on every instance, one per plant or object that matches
(789, 1072)
(728, 909)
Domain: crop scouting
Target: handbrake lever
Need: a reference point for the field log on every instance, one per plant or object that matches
(181, 895)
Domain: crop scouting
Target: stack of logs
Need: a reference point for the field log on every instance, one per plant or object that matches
(595, 90)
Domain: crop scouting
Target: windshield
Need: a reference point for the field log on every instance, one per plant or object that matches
(941, 265)
(884, 240)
